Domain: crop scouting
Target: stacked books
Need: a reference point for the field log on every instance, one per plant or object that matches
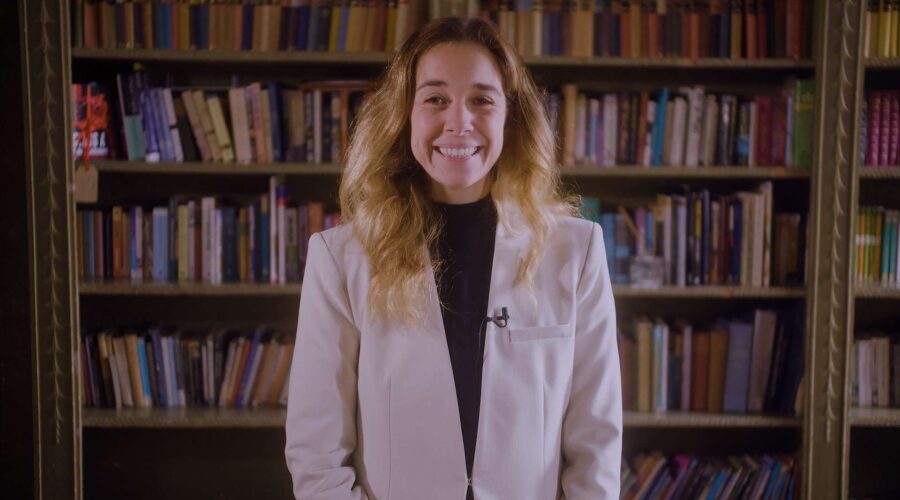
(875, 370)
(684, 127)
(211, 239)
(743, 365)
(163, 367)
(877, 239)
(258, 25)
(702, 239)
(256, 123)
(654, 476)
(634, 28)
(880, 129)
(881, 30)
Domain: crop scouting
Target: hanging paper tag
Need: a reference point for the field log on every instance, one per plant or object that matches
(86, 184)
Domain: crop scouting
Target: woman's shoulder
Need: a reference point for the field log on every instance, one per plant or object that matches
(575, 230)
(340, 241)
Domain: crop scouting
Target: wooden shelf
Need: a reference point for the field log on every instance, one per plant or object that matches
(381, 58)
(708, 292)
(879, 173)
(213, 418)
(301, 169)
(876, 292)
(293, 289)
(875, 417)
(189, 289)
(175, 418)
(883, 62)
(132, 167)
(687, 419)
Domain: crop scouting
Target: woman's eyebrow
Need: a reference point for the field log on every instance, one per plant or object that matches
(440, 83)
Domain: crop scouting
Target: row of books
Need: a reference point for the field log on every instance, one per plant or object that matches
(171, 367)
(256, 123)
(705, 240)
(742, 365)
(258, 25)
(877, 239)
(882, 29)
(880, 129)
(211, 239)
(875, 370)
(621, 28)
(652, 476)
(685, 127)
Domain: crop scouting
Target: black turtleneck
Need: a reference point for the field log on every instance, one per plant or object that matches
(466, 247)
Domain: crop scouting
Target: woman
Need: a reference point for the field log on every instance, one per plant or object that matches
(456, 334)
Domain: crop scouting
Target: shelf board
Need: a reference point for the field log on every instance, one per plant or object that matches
(212, 418)
(883, 62)
(875, 417)
(879, 173)
(138, 167)
(334, 169)
(877, 292)
(293, 289)
(188, 289)
(665, 172)
(688, 419)
(381, 58)
(708, 292)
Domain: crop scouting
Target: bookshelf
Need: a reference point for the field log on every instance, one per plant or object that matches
(93, 438)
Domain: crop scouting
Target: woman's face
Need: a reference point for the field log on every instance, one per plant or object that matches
(457, 120)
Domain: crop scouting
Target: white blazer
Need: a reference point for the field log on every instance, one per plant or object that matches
(372, 410)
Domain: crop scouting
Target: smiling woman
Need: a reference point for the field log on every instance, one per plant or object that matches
(457, 334)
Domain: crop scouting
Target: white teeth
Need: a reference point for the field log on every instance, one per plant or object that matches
(457, 152)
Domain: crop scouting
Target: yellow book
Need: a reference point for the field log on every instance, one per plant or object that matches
(355, 27)
(644, 336)
(129, 25)
(220, 128)
(134, 371)
(400, 23)
(207, 124)
(334, 31)
(391, 28)
(182, 242)
(147, 14)
(184, 26)
(522, 19)
(257, 27)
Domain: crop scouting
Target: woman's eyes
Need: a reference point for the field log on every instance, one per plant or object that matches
(478, 101)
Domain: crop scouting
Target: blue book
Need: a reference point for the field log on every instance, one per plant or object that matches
(342, 26)
(717, 484)
(156, 12)
(162, 125)
(275, 114)
(158, 366)
(659, 128)
(302, 37)
(248, 367)
(737, 368)
(160, 244)
(312, 32)
(89, 244)
(203, 35)
(145, 371)
(152, 153)
(167, 26)
(623, 251)
(247, 28)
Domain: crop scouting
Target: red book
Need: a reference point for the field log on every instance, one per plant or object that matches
(885, 133)
(750, 29)
(699, 371)
(779, 129)
(872, 151)
(793, 28)
(894, 143)
(624, 32)
(764, 130)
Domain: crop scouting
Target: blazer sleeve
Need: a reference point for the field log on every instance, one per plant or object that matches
(592, 425)
(322, 399)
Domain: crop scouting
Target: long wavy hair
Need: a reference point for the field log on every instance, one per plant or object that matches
(384, 192)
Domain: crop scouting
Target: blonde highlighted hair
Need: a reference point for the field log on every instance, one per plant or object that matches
(384, 192)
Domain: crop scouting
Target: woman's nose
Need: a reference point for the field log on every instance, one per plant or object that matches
(458, 118)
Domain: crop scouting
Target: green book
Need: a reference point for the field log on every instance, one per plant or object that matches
(804, 98)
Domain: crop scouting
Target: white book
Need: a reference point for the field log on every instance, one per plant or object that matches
(118, 344)
(172, 124)
(679, 132)
(610, 121)
(237, 104)
(581, 129)
(710, 129)
(254, 366)
(694, 125)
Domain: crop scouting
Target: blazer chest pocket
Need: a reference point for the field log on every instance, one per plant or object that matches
(539, 333)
